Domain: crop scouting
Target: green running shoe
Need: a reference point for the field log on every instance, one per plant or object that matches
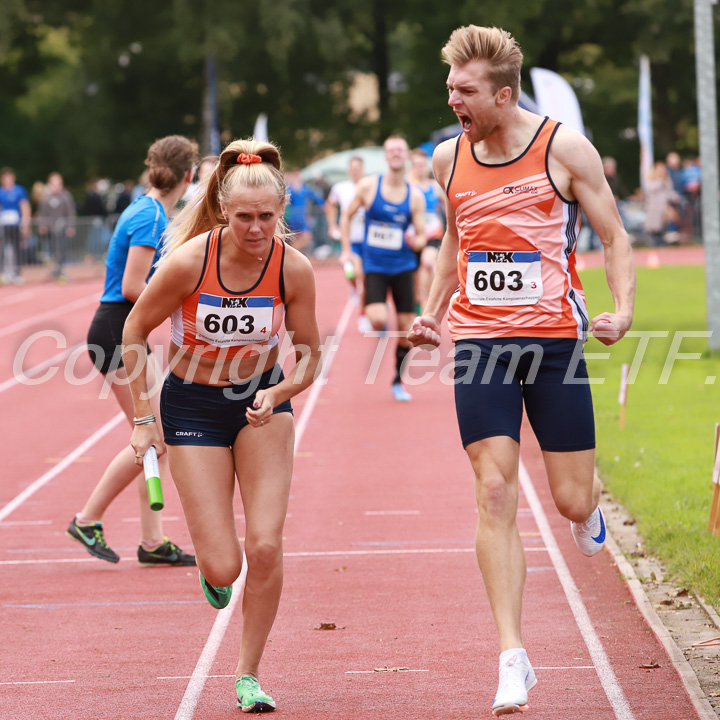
(166, 554)
(92, 539)
(218, 597)
(251, 698)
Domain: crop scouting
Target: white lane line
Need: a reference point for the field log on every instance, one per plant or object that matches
(197, 681)
(187, 677)
(14, 523)
(18, 297)
(363, 553)
(37, 682)
(54, 313)
(18, 500)
(392, 512)
(566, 667)
(316, 388)
(382, 672)
(37, 369)
(57, 561)
(287, 556)
(212, 645)
(608, 680)
(682, 666)
(169, 518)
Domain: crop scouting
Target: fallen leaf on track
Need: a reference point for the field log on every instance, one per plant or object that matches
(328, 626)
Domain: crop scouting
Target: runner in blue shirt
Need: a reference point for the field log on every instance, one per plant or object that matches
(133, 252)
(389, 252)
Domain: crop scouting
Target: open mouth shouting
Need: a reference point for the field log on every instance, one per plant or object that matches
(465, 121)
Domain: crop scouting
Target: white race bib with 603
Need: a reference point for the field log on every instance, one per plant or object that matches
(504, 277)
(229, 321)
(387, 237)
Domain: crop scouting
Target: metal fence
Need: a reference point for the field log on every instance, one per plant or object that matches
(83, 239)
(92, 235)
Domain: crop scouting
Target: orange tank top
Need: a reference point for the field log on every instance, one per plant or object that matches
(516, 262)
(217, 322)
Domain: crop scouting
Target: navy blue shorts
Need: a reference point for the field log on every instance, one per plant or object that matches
(196, 414)
(495, 376)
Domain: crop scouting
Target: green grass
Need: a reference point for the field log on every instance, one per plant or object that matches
(660, 466)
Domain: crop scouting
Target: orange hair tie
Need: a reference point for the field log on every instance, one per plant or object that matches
(248, 158)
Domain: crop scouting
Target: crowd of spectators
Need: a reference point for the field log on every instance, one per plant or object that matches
(665, 210)
(41, 227)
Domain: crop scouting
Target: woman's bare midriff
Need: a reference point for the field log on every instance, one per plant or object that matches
(217, 371)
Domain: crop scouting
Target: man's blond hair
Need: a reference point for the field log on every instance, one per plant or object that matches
(497, 46)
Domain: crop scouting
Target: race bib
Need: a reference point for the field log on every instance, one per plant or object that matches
(504, 277)
(230, 321)
(387, 237)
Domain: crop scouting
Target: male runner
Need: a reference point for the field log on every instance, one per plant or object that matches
(389, 260)
(514, 183)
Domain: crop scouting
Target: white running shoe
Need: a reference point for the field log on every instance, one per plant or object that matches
(400, 393)
(590, 535)
(516, 678)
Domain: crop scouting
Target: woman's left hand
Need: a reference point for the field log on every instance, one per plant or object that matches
(262, 408)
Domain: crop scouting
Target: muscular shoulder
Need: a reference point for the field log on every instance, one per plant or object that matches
(573, 158)
(573, 150)
(184, 265)
(443, 158)
(366, 188)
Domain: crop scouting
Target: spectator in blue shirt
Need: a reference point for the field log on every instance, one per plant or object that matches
(692, 179)
(15, 213)
(296, 210)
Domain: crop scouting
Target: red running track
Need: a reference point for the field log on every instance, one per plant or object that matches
(379, 541)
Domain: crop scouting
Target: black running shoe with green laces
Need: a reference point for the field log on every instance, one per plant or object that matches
(92, 539)
(166, 554)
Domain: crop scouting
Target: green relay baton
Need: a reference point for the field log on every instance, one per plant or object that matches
(152, 478)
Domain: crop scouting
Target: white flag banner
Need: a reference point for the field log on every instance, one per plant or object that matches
(260, 133)
(556, 98)
(644, 128)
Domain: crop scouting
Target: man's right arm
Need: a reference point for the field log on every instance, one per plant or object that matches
(426, 328)
(332, 206)
(357, 202)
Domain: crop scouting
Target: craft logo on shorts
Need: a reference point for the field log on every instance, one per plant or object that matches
(234, 302)
(188, 433)
(467, 193)
(500, 256)
(510, 190)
